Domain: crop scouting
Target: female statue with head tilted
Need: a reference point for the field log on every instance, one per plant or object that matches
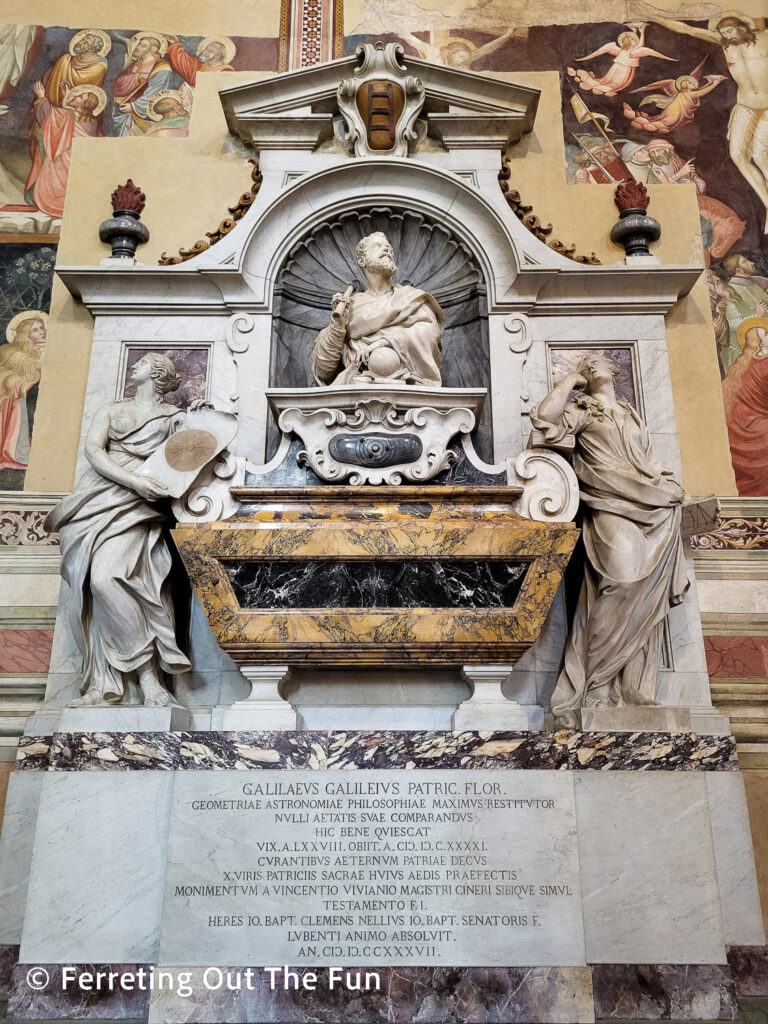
(114, 557)
(635, 566)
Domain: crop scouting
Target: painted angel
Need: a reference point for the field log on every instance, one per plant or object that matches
(627, 53)
(677, 101)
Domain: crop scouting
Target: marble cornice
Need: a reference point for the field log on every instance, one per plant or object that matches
(189, 289)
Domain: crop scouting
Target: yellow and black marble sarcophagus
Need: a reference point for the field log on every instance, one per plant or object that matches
(338, 575)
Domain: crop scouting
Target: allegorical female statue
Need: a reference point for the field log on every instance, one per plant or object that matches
(114, 557)
(390, 333)
(635, 567)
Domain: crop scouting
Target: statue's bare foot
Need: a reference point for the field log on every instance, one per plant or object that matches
(597, 698)
(636, 699)
(89, 699)
(155, 696)
(567, 720)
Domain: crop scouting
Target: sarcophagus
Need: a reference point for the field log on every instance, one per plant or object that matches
(345, 576)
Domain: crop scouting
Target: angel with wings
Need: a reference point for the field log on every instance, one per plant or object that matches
(677, 102)
(627, 52)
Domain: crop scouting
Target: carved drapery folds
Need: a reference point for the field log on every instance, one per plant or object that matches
(236, 213)
(428, 256)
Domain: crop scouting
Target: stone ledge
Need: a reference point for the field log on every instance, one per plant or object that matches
(194, 751)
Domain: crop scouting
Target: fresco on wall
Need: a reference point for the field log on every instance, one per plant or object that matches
(663, 100)
(26, 274)
(58, 85)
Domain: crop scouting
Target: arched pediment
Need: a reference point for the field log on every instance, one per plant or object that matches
(497, 241)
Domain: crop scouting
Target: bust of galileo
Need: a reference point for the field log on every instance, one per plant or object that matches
(390, 333)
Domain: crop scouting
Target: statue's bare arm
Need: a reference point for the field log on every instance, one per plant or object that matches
(553, 406)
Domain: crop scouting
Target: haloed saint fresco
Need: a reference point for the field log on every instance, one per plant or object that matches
(59, 85)
(26, 274)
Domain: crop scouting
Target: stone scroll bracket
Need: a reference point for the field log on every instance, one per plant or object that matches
(550, 486)
(510, 338)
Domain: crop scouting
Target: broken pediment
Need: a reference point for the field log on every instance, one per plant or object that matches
(380, 103)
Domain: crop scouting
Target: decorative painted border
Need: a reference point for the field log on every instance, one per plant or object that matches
(734, 534)
(565, 750)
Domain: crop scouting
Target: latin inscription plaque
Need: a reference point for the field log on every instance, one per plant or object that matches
(362, 868)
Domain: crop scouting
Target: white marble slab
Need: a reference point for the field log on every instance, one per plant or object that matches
(735, 861)
(382, 885)
(95, 886)
(18, 833)
(124, 718)
(648, 869)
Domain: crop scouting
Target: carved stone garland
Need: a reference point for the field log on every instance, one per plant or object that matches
(237, 212)
(532, 222)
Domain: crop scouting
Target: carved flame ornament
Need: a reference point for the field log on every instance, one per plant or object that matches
(128, 198)
(631, 195)
(381, 102)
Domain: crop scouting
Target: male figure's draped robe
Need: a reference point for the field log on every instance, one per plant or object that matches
(405, 319)
(635, 567)
(747, 419)
(189, 66)
(116, 562)
(71, 70)
(136, 86)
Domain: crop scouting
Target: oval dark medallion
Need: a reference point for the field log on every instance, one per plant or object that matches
(375, 449)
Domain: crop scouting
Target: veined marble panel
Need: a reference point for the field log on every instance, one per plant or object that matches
(749, 968)
(33, 753)
(56, 1003)
(402, 749)
(98, 863)
(664, 992)
(559, 750)
(464, 995)
(114, 751)
(16, 839)
(735, 860)
(649, 879)
(9, 955)
(248, 750)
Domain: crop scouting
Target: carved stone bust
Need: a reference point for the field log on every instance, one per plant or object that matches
(390, 333)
